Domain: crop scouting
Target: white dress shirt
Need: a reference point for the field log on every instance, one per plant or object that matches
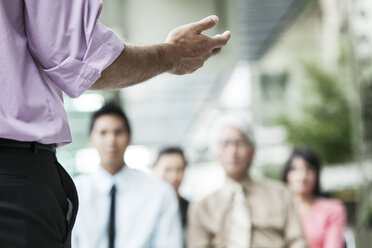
(147, 212)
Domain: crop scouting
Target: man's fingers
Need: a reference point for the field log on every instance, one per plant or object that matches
(205, 24)
(216, 51)
(220, 40)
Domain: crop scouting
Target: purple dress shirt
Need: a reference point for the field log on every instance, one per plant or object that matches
(48, 47)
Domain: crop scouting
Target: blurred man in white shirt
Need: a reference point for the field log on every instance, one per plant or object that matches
(119, 206)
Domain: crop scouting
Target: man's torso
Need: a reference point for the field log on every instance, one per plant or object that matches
(267, 209)
(139, 206)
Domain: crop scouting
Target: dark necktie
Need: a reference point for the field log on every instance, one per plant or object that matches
(112, 217)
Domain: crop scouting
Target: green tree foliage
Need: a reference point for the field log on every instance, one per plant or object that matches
(324, 124)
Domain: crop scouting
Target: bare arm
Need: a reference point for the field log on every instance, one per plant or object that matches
(184, 51)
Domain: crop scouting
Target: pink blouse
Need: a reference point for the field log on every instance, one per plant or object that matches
(324, 224)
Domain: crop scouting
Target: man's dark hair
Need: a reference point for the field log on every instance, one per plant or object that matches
(110, 108)
(171, 150)
(312, 161)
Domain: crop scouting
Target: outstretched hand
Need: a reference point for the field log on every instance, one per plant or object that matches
(184, 51)
(192, 48)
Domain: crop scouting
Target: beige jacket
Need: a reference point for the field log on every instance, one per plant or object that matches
(274, 220)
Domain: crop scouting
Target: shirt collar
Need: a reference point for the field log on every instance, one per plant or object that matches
(105, 180)
(246, 183)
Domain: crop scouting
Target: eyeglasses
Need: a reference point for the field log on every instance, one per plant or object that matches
(236, 143)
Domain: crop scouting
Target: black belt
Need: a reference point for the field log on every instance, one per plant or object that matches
(34, 146)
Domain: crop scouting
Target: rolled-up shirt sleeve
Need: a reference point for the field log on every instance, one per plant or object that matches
(68, 42)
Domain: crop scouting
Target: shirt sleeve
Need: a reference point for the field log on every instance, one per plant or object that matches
(168, 231)
(65, 38)
(294, 236)
(197, 234)
(74, 239)
(335, 226)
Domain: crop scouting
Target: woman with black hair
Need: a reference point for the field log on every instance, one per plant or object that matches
(323, 220)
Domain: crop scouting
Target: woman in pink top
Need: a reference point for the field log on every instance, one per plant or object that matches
(323, 220)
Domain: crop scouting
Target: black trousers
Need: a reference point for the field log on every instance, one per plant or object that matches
(38, 200)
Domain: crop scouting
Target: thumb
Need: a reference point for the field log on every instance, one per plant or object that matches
(205, 24)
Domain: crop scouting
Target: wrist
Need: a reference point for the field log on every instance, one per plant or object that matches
(170, 56)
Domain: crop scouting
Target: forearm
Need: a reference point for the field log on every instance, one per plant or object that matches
(136, 64)
(184, 51)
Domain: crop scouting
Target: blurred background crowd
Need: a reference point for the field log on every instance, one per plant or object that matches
(300, 71)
